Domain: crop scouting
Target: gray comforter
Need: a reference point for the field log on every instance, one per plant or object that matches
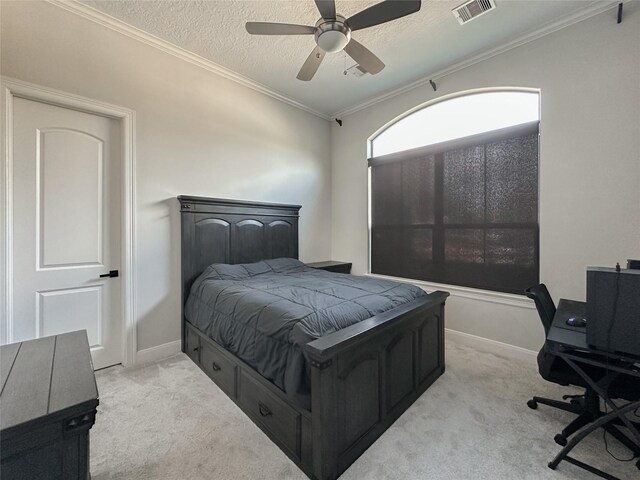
(265, 312)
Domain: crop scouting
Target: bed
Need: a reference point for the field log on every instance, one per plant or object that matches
(352, 379)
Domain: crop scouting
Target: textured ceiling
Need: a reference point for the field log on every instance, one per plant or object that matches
(411, 47)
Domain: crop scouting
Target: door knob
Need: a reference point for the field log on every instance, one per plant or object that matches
(111, 274)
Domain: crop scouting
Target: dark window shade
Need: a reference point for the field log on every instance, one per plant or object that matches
(464, 188)
(464, 212)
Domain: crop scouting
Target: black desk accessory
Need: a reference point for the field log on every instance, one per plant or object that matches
(578, 322)
(613, 309)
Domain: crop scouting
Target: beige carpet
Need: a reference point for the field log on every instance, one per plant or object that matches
(169, 421)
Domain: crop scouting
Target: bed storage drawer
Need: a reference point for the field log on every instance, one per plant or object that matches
(282, 421)
(221, 370)
(191, 343)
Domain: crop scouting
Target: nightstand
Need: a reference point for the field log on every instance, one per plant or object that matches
(332, 266)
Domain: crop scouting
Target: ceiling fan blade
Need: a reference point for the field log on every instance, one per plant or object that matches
(327, 8)
(267, 28)
(383, 12)
(311, 64)
(364, 57)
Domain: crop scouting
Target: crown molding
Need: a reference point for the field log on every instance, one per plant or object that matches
(101, 18)
(592, 10)
(130, 31)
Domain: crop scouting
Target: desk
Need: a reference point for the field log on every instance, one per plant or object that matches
(570, 344)
(563, 334)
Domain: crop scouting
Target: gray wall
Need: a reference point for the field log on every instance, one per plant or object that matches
(589, 76)
(197, 134)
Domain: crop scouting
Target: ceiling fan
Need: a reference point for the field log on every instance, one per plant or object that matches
(332, 32)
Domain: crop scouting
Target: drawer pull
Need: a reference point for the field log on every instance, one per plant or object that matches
(195, 349)
(263, 409)
(79, 421)
(215, 366)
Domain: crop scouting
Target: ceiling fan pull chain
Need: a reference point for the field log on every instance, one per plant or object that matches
(345, 63)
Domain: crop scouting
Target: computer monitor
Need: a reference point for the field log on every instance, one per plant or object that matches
(613, 309)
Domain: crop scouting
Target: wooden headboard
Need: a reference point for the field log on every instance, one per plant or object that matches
(218, 230)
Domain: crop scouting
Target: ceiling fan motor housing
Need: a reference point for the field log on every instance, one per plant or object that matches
(333, 35)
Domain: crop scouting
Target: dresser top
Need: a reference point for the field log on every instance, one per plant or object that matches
(45, 376)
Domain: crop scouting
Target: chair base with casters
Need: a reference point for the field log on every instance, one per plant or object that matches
(587, 407)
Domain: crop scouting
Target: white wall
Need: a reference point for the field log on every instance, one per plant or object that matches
(204, 135)
(197, 134)
(589, 75)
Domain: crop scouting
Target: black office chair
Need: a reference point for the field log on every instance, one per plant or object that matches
(554, 369)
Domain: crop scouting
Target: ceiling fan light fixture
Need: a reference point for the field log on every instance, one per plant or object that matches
(333, 36)
(332, 41)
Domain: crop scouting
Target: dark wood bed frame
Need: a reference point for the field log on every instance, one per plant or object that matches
(363, 377)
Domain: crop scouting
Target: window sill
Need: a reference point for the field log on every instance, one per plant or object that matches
(465, 292)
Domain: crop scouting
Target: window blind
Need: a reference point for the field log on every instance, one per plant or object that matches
(463, 212)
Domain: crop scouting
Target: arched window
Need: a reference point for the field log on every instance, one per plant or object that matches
(454, 192)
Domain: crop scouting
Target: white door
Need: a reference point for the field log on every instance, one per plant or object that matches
(66, 226)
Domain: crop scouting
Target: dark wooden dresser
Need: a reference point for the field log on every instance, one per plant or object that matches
(48, 404)
(332, 266)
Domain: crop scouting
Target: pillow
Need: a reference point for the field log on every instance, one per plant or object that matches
(284, 265)
(224, 271)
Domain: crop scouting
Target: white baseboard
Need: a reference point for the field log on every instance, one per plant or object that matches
(492, 346)
(158, 352)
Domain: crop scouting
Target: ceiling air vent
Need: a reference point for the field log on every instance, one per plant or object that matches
(473, 9)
